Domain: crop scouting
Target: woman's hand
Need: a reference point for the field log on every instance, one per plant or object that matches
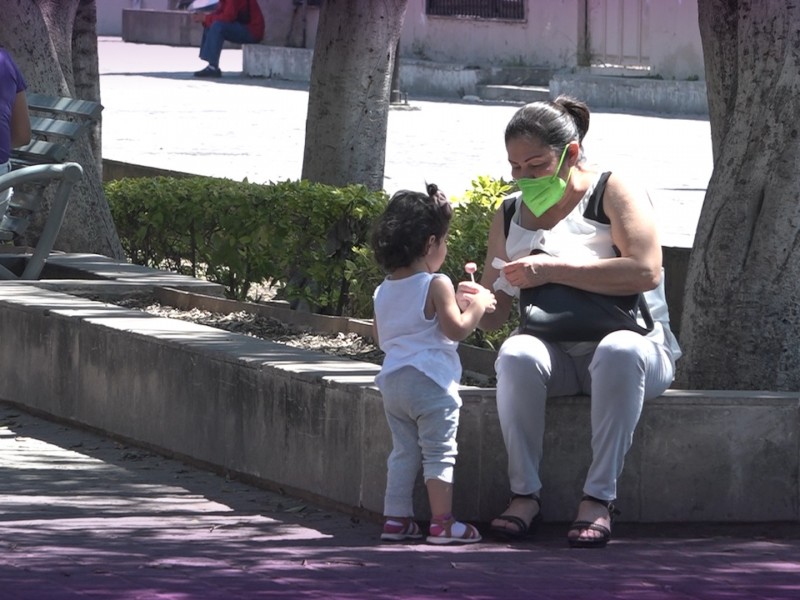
(529, 271)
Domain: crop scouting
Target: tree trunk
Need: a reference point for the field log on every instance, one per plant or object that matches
(85, 67)
(348, 105)
(54, 42)
(742, 312)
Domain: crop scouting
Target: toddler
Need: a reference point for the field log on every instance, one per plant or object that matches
(418, 326)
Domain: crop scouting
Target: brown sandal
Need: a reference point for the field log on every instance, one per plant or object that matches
(522, 529)
(581, 526)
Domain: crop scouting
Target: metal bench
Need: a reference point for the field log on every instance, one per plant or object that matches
(29, 184)
(39, 172)
(56, 123)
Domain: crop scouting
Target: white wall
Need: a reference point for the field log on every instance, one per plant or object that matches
(109, 13)
(548, 37)
(676, 51)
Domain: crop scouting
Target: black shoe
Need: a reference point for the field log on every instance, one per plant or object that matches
(519, 529)
(581, 526)
(209, 71)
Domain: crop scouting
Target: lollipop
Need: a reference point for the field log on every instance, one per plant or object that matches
(470, 268)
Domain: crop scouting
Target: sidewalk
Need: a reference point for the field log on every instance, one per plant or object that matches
(83, 516)
(156, 114)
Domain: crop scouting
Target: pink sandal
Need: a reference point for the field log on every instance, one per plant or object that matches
(398, 529)
(451, 531)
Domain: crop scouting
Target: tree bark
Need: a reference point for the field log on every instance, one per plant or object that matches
(742, 311)
(86, 68)
(54, 42)
(348, 105)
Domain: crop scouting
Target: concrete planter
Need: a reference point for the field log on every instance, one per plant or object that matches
(477, 360)
(313, 424)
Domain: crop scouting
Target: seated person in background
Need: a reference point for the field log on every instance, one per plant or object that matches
(236, 21)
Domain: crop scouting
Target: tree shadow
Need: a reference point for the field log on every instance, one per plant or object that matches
(83, 514)
(228, 78)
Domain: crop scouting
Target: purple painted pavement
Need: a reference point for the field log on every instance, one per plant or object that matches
(82, 516)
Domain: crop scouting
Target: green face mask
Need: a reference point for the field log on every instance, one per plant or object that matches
(541, 193)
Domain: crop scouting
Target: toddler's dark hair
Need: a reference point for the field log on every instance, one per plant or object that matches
(400, 235)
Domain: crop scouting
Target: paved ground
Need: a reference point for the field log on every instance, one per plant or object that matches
(83, 516)
(157, 114)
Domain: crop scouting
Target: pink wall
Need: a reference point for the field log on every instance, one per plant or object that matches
(548, 37)
(552, 35)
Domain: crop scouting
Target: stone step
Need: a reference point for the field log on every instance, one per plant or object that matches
(633, 93)
(425, 78)
(513, 93)
(515, 75)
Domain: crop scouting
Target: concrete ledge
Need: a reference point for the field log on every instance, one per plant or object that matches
(278, 62)
(427, 78)
(513, 93)
(102, 277)
(168, 27)
(649, 95)
(114, 169)
(419, 77)
(314, 423)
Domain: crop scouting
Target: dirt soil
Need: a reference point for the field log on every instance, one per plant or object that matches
(349, 345)
(266, 328)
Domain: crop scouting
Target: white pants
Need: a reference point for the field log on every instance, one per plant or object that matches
(624, 370)
(423, 418)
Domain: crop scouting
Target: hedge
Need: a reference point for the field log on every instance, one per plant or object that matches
(308, 239)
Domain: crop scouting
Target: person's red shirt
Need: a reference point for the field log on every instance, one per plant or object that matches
(228, 10)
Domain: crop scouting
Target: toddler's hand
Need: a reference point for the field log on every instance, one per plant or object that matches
(487, 298)
(465, 292)
(469, 292)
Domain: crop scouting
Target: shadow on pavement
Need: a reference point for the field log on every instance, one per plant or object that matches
(84, 514)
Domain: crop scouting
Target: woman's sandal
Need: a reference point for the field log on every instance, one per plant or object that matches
(581, 526)
(523, 529)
